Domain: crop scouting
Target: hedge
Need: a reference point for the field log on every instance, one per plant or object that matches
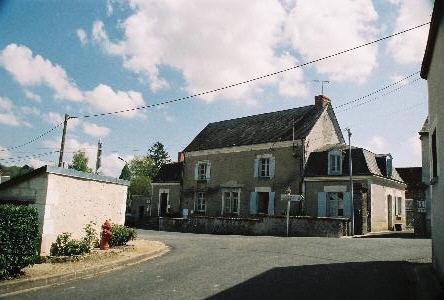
(121, 235)
(19, 238)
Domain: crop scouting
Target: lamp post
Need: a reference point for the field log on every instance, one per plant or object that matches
(350, 164)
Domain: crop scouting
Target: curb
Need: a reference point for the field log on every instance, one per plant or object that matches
(11, 288)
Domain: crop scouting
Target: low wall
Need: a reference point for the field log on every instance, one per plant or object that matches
(276, 226)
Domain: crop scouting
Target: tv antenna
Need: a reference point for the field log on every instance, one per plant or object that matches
(322, 84)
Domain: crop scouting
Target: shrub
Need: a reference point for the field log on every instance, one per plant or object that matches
(91, 237)
(121, 235)
(19, 238)
(66, 246)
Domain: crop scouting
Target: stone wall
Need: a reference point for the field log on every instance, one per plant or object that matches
(275, 226)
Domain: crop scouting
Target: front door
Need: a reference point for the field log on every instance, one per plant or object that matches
(389, 213)
(163, 204)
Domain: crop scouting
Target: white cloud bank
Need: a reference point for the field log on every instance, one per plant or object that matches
(82, 35)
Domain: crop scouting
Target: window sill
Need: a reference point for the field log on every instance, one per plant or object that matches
(434, 180)
(202, 180)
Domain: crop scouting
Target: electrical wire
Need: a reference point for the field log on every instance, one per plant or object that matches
(33, 139)
(19, 158)
(250, 80)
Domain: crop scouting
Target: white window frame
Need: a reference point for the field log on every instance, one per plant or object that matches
(398, 206)
(264, 167)
(203, 170)
(229, 202)
(329, 205)
(335, 162)
(201, 203)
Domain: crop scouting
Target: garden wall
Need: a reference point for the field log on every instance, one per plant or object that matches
(276, 226)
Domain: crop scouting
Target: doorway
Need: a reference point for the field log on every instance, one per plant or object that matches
(262, 203)
(163, 209)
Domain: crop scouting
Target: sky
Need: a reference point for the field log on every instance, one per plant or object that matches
(87, 57)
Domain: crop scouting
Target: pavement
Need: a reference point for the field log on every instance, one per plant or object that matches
(49, 274)
(200, 266)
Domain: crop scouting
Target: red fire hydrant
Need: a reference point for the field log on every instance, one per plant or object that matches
(105, 235)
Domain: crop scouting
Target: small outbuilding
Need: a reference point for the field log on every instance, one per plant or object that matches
(67, 200)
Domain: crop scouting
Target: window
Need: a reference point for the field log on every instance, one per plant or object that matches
(264, 166)
(335, 203)
(231, 202)
(201, 204)
(335, 162)
(398, 204)
(434, 156)
(389, 165)
(202, 170)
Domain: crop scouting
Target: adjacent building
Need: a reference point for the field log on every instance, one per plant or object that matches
(433, 71)
(167, 191)
(67, 200)
(378, 191)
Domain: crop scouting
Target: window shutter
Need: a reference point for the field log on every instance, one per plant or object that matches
(272, 166)
(271, 203)
(196, 171)
(347, 205)
(208, 171)
(322, 204)
(329, 165)
(253, 203)
(403, 207)
(256, 167)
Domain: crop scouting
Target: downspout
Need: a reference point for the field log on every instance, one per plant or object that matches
(302, 184)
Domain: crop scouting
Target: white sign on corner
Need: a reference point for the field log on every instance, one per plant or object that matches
(291, 198)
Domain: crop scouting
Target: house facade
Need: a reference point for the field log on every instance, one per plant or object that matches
(242, 167)
(433, 71)
(378, 191)
(167, 191)
(67, 200)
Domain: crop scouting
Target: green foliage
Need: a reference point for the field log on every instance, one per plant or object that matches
(140, 185)
(121, 235)
(126, 173)
(142, 166)
(14, 171)
(19, 238)
(159, 155)
(66, 246)
(80, 162)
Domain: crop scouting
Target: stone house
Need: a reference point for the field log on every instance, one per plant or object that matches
(167, 191)
(415, 200)
(242, 167)
(425, 176)
(67, 200)
(378, 191)
(433, 71)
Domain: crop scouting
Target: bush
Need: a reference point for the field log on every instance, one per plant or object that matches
(66, 246)
(19, 238)
(121, 235)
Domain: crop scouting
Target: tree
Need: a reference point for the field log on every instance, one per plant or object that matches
(80, 162)
(126, 173)
(142, 170)
(159, 155)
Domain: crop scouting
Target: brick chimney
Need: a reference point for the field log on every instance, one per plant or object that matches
(322, 101)
(180, 156)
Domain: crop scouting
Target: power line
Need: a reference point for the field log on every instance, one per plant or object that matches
(19, 158)
(33, 139)
(252, 79)
(376, 91)
(384, 94)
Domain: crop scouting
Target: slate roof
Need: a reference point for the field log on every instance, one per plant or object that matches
(257, 129)
(365, 163)
(169, 173)
(412, 176)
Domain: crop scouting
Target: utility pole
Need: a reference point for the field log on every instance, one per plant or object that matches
(62, 145)
(350, 164)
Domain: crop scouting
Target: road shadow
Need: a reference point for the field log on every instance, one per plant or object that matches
(360, 280)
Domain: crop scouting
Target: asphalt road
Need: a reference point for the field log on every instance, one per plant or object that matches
(239, 267)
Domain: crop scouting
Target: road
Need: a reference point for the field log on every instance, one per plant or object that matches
(239, 267)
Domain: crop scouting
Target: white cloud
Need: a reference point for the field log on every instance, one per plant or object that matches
(409, 47)
(210, 53)
(109, 8)
(8, 114)
(72, 145)
(4, 153)
(9, 119)
(30, 70)
(112, 166)
(27, 110)
(82, 35)
(326, 27)
(377, 144)
(104, 99)
(95, 130)
(55, 118)
(32, 96)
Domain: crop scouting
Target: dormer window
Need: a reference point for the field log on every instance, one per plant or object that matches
(335, 162)
(389, 166)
